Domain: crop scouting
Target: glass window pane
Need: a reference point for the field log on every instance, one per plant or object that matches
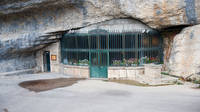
(83, 58)
(93, 42)
(103, 59)
(115, 58)
(70, 58)
(94, 59)
(69, 42)
(125, 49)
(82, 42)
(129, 41)
(155, 42)
(115, 41)
(103, 42)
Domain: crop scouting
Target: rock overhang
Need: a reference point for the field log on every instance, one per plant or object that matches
(121, 25)
(155, 13)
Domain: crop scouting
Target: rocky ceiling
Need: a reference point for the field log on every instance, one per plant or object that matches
(13, 6)
(155, 13)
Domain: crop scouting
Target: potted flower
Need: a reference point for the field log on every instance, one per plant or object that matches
(83, 62)
(116, 62)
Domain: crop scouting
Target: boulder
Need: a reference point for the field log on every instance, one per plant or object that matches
(185, 54)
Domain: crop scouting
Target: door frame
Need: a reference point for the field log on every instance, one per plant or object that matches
(100, 67)
(99, 55)
(46, 61)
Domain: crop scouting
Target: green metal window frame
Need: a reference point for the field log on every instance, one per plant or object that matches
(88, 47)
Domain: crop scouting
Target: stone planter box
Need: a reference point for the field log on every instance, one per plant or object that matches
(148, 72)
(130, 73)
(152, 71)
(77, 71)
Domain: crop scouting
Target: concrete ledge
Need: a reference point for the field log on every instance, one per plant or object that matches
(125, 68)
(131, 73)
(153, 66)
(74, 66)
(77, 71)
(19, 72)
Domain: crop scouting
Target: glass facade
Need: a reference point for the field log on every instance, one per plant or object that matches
(112, 49)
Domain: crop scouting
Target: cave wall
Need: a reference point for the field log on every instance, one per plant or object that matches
(168, 36)
(18, 62)
(19, 53)
(22, 33)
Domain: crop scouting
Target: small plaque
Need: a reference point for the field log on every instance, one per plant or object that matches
(53, 57)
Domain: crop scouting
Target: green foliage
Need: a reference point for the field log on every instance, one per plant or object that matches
(164, 73)
(116, 62)
(83, 62)
(196, 81)
(134, 61)
(177, 82)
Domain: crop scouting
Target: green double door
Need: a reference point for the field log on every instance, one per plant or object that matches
(98, 65)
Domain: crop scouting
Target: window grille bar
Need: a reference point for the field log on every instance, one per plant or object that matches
(113, 47)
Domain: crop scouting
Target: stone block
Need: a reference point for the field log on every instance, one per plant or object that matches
(77, 71)
(153, 71)
(131, 74)
(123, 73)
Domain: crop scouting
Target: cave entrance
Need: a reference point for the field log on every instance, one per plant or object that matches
(46, 61)
(100, 50)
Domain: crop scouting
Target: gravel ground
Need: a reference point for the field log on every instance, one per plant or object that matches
(95, 96)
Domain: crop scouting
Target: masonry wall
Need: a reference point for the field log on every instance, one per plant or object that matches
(77, 71)
(54, 49)
(131, 73)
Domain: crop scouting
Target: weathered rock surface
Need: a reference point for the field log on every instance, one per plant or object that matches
(185, 54)
(18, 53)
(26, 43)
(18, 62)
(12, 6)
(156, 13)
(117, 25)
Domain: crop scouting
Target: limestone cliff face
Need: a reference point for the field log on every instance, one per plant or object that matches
(23, 23)
(155, 13)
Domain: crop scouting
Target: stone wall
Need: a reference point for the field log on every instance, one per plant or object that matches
(152, 71)
(77, 71)
(54, 49)
(131, 73)
(149, 74)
